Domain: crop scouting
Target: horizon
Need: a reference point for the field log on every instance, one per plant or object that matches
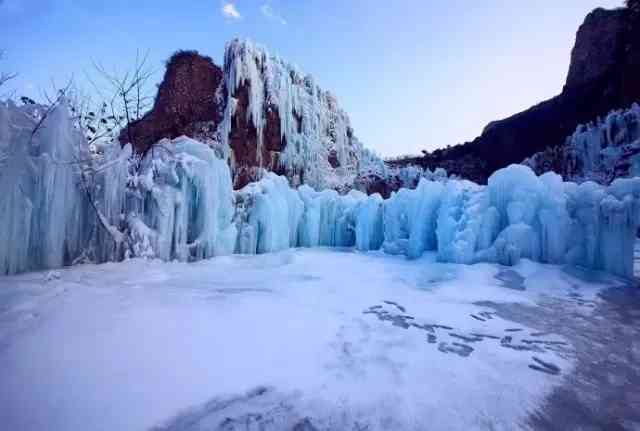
(445, 105)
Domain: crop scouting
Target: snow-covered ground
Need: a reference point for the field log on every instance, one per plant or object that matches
(304, 339)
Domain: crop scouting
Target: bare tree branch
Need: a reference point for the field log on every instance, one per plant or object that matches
(52, 104)
(129, 92)
(5, 76)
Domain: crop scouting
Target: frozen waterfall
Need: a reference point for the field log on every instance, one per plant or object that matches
(177, 202)
(517, 215)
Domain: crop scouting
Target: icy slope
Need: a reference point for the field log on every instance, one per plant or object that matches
(601, 151)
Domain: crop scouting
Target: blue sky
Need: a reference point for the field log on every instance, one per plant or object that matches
(411, 74)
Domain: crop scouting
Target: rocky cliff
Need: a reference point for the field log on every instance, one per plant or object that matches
(260, 113)
(604, 75)
(190, 101)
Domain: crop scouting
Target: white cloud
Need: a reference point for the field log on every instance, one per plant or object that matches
(229, 10)
(268, 12)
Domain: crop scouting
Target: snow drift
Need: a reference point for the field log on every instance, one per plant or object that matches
(177, 202)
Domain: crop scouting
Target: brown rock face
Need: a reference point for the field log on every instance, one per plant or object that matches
(248, 158)
(604, 75)
(188, 102)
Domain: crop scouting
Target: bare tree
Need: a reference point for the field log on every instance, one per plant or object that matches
(126, 95)
(119, 100)
(5, 76)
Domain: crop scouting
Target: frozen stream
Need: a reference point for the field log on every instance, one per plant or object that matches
(318, 339)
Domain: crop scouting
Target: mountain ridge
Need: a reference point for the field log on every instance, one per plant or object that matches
(603, 75)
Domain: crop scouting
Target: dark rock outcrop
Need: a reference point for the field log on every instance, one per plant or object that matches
(604, 75)
(189, 102)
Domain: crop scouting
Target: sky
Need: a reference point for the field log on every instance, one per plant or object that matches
(412, 74)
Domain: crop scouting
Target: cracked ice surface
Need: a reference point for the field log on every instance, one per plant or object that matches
(298, 339)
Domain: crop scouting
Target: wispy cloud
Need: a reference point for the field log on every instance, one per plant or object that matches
(230, 11)
(271, 14)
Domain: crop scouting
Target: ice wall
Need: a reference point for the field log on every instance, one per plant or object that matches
(42, 211)
(177, 202)
(517, 215)
(271, 216)
(268, 214)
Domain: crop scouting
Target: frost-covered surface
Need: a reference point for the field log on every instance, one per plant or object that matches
(311, 123)
(130, 345)
(518, 215)
(601, 151)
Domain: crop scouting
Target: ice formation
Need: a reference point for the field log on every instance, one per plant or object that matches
(517, 215)
(177, 202)
(268, 213)
(42, 212)
(311, 123)
(600, 151)
(180, 203)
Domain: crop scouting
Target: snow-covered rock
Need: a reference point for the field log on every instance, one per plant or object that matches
(260, 113)
(278, 118)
